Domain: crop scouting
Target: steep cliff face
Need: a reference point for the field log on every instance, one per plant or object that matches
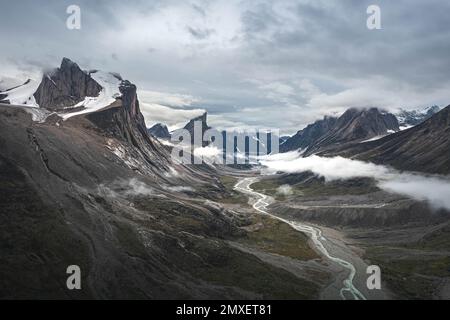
(201, 122)
(159, 130)
(357, 124)
(306, 137)
(131, 103)
(65, 87)
(204, 126)
(124, 121)
(3, 98)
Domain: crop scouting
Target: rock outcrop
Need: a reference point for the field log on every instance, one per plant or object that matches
(65, 87)
(306, 137)
(353, 126)
(202, 119)
(356, 125)
(159, 130)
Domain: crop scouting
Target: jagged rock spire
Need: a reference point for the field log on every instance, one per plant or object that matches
(65, 87)
(159, 130)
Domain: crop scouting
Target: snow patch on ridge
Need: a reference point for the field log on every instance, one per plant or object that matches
(23, 95)
(110, 91)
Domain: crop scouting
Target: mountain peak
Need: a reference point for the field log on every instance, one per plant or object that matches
(131, 103)
(67, 63)
(65, 87)
(202, 118)
(191, 125)
(424, 147)
(159, 130)
(355, 124)
(408, 118)
(305, 137)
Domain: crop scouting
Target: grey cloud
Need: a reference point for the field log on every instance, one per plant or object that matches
(200, 33)
(199, 9)
(237, 56)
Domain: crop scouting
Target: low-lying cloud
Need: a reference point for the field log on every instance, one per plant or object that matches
(181, 189)
(285, 190)
(122, 187)
(433, 189)
(330, 168)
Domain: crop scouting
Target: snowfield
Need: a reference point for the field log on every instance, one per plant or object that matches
(23, 96)
(110, 84)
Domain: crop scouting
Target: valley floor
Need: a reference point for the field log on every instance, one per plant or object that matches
(347, 269)
(355, 222)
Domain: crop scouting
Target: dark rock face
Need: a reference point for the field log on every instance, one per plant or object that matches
(190, 127)
(283, 139)
(355, 125)
(3, 98)
(159, 130)
(131, 103)
(425, 147)
(304, 138)
(65, 87)
(123, 119)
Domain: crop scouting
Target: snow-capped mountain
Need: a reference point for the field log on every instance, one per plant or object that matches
(424, 147)
(67, 91)
(409, 118)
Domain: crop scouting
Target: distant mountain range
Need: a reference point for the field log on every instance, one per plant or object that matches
(348, 134)
(239, 141)
(424, 147)
(354, 125)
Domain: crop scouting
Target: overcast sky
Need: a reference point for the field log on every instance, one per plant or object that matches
(265, 63)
